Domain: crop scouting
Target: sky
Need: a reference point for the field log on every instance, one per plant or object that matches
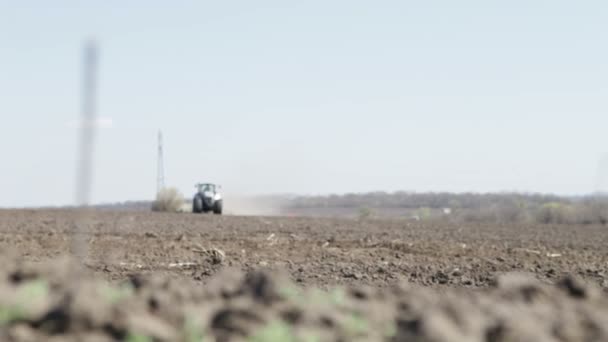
(307, 97)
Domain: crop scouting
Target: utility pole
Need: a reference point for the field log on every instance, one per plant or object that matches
(84, 175)
(87, 124)
(160, 167)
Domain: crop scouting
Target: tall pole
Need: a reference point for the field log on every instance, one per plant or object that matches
(160, 171)
(87, 124)
(86, 143)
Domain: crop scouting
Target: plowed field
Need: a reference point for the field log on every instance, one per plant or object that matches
(302, 279)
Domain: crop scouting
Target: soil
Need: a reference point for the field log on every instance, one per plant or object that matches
(184, 277)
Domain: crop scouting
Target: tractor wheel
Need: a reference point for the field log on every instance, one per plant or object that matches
(197, 205)
(217, 208)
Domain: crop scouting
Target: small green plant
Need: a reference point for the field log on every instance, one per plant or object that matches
(292, 293)
(133, 337)
(193, 332)
(116, 294)
(390, 330)
(424, 213)
(337, 296)
(309, 337)
(27, 294)
(356, 325)
(11, 313)
(275, 331)
(33, 290)
(365, 213)
(317, 296)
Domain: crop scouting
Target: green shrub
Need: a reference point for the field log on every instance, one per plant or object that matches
(365, 213)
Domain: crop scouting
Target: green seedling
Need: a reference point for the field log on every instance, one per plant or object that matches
(365, 213)
(293, 294)
(10, 314)
(116, 294)
(317, 296)
(275, 331)
(337, 296)
(309, 337)
(356, 325)
(33, 290)
(290, 292)
(390, 330)
(424, 213)
(133, 337)
(26, 295)
(193, 332)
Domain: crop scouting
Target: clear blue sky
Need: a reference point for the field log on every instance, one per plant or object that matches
(307, 96)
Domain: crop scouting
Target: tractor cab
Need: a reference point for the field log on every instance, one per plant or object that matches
(207, 187)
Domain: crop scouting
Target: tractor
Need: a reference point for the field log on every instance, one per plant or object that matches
(207, 198)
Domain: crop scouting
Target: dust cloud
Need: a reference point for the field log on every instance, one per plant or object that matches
(243, 205)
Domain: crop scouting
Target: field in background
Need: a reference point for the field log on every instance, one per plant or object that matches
(456, 208)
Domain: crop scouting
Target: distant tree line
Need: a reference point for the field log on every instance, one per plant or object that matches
(403, 199)
(463, 207)
(474, 207)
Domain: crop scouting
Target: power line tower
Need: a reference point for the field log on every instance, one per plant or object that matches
(160, 167)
